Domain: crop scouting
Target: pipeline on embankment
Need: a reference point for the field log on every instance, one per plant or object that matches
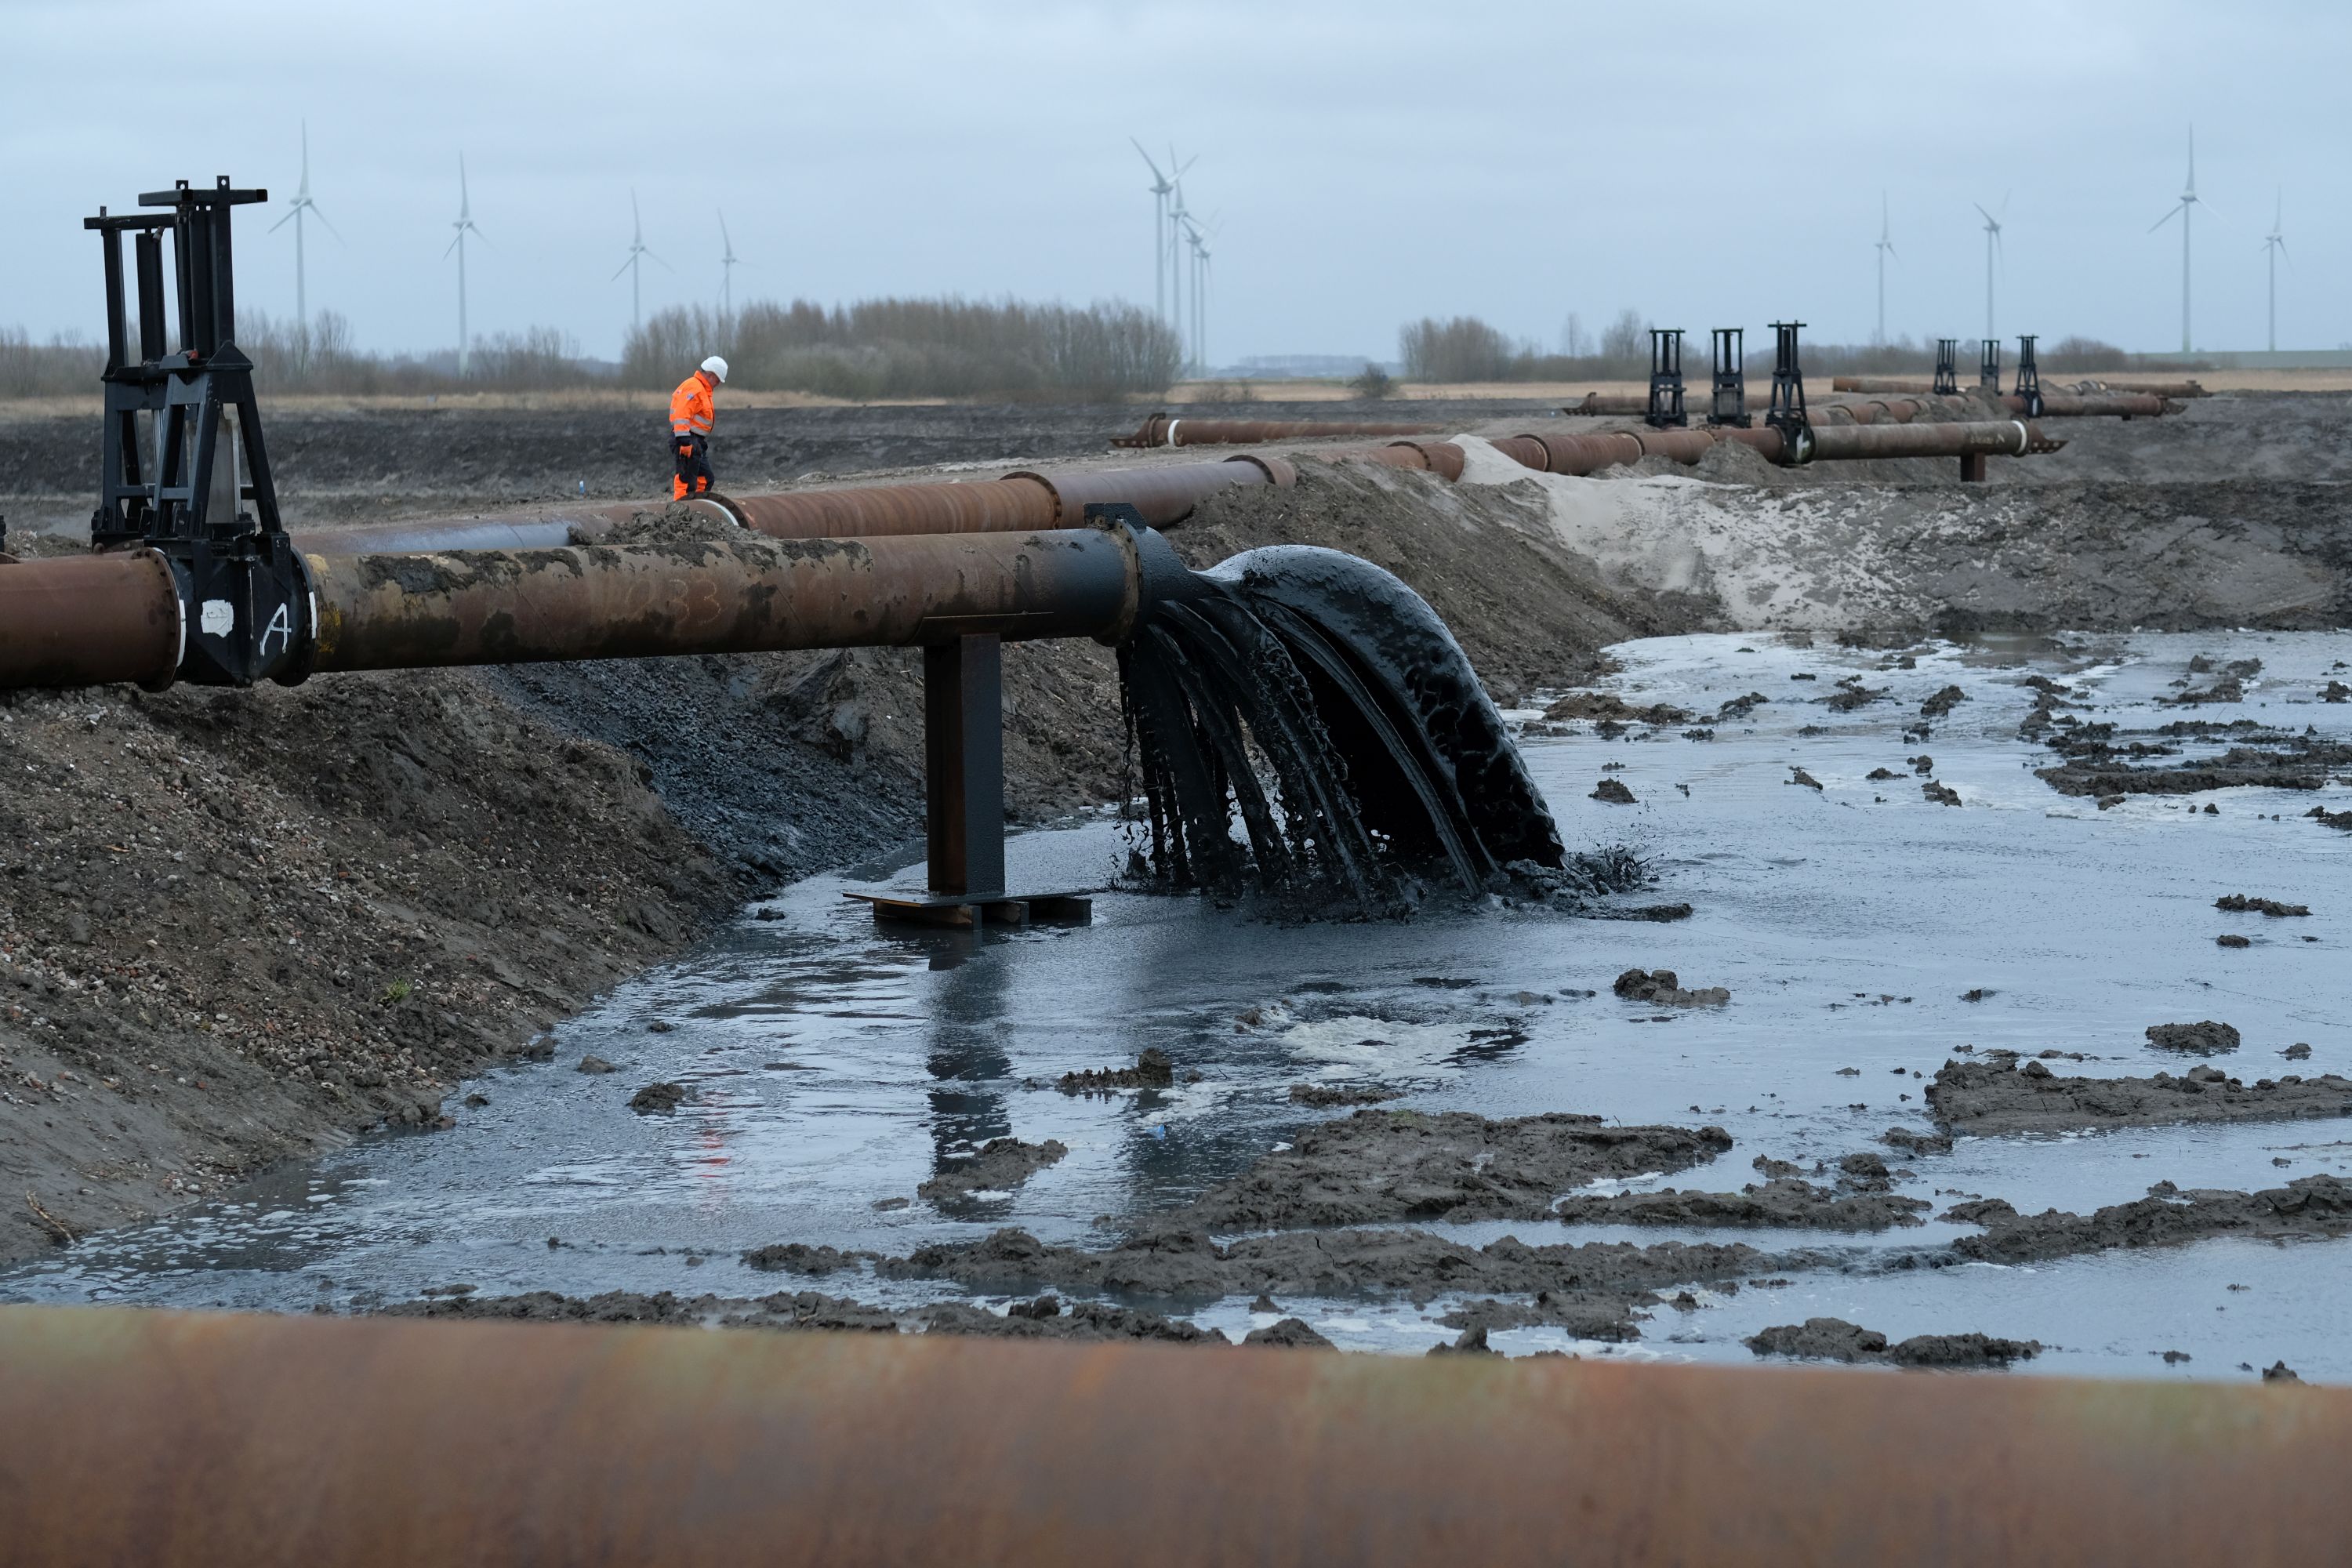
(188, 1440)
(1174, 430)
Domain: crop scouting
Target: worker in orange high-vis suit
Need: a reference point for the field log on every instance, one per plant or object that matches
(691, 409)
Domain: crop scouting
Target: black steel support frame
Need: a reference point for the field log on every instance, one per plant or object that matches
(1947, 367)
(1728, 400)
(1989, 367)
(2028, 378)
(1787, 413)
(1666, 410)
(244, 591)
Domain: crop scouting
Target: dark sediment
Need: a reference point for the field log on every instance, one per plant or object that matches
(1834, 1339)
(2207, 1038)
(1291, 1333)
(2311, 1207)
(1152, 1069)
(1994, 1096)
(1002, 1163)
(1786, 1200)
(659, 1098)
(1327, 1096)
(2240, 904)
(1378, 1166)
(1664, 987)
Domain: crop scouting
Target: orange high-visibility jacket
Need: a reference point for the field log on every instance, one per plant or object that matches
(691, 408)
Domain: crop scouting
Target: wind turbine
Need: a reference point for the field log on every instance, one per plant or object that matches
(639, 252)
(2181, 209)
(1159, 188)
(2274, 247)
(727, 265)
(1198, 238)
(1992, 242)
(464, 226)
(301, 205)
(1885, 247)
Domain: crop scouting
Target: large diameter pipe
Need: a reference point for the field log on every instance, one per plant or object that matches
(2010, 438)
(2092, 404)
(750, 595)
(1608, 402)
(89, 620)
(188, 1441)
(1168, 430)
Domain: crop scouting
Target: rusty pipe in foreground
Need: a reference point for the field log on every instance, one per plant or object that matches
(91, 620)
(186, 1440)
(2010, 438)
(1175, 430)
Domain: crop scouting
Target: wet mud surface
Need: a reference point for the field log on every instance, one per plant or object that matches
(1832, 1339)
(1999, 1095)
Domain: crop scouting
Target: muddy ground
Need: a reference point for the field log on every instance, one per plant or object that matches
(236, 929)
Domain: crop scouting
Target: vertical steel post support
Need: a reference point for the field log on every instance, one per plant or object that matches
(2028, 378)
(1972, 468)
(1665, 411)
(1947, 367)
(964, 765)
(1988, 368)
(1729, 405)
(1786, 412)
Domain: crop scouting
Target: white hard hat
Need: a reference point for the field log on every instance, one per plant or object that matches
(716, 366)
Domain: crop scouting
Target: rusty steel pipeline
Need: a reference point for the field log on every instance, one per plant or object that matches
(90, 620)
(750, 595)
(2008, 437)
(1174, 430)
(2093, 404)
(1594, 404)
(185, 1440)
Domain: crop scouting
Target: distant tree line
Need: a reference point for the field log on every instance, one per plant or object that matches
(322, 358)
(1466, 348)
(914, 348)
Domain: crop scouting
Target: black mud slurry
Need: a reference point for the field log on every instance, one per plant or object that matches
(1996, 1096)
(1321, 700)
(2306, 1209)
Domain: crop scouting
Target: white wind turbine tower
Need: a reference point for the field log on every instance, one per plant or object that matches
(300, 205)
(1885, 247)
(1198, 238)
(1992, 243)
(639, 252)
(2274, 247)
(2181, 209)
(464, 226)
(727, 265)
(1162, 245)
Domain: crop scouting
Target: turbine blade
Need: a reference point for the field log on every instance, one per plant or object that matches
(2167, 217)
(2004, 202)
(625, 265)
(453, 245)
(281, 223)
(1156, 176)
(322, 218)
(1979, 207)
(663, 263)
(1891, 250)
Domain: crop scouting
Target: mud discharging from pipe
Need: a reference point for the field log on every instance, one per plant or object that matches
(1321, 703)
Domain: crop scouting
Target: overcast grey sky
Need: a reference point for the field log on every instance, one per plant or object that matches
(1370, 162)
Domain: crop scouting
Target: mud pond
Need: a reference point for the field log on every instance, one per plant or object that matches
(1867, 932)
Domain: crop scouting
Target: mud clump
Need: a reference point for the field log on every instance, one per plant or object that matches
(595, 1064)
(2206, 1039)
(805, 1311)
(2339, 820)
(2169, 1215)
(1663, 987)
(1002, 1165)
(2233, 942)
(1992, 1097)
(1614, 790)
(2240, 904)
(1943, 702)
(1906, 1140)
(1940, 794)
(1291, 1333)
(1834, 1339)
(1607, 707)
(1799, 776)
(797, 1257)
(2101, 761)
(1330, 1096)
(1047, 1319)
(1852, 694)
(1183, 1264)
(1382, 1166)
(1152, 1069)
(659, 1098)
(1784, 1202)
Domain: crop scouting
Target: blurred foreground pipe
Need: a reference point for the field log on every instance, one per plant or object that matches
(1174, 430)
(2092, 404)
(1605, 402)
(186, 1441)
